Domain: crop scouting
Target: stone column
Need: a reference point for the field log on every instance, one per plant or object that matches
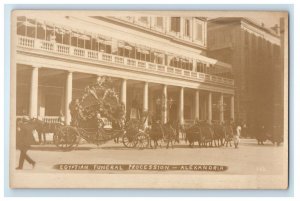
(194, 65)
(68, 97)
(209, 109)
(182, 27)
(204, 108)
(34, 92)
(221, 108)
(232, 107)
(197, 105)
(167, 23)
(145, 101)
(124, 92)
(181, 106)
(165, 106)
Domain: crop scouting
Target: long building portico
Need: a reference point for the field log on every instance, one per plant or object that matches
(47, 93)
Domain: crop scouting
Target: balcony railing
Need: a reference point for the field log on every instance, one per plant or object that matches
(33, 43)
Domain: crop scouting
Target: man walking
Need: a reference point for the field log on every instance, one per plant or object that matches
(24, 140)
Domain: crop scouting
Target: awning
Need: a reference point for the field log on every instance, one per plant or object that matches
(74, 34)
(142, 51)
(28, 24)
(84, 37)
(61, 31)
(107, 42)
(127, 47)
(159, 54)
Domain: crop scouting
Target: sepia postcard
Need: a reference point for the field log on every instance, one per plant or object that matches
(149, 99)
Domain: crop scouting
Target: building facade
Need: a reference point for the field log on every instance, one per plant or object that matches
(153, 60)
(255, 55)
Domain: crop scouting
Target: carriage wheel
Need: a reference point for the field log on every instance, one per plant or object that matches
(129, 141)
(142, 140)
(65, 138)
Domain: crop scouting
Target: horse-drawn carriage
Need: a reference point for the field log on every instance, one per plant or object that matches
(98, 105)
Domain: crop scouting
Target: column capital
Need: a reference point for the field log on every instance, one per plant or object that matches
(36, 66)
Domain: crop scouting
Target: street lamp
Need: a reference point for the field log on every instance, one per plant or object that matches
(163, 104)
(220, 107)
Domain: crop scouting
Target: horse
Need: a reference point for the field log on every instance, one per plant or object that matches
(207, 134)
(164, 132)
(219, 134)
(229, 132)
(117, 126)
(202, 133)
(179, 129)
(193, 134)
(42, 128)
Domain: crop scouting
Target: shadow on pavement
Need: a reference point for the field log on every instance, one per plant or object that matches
(54, 148)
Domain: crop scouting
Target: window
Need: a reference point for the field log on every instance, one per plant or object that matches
(144, 20)
(41, 31)
(87, 42)
(121, 51)
(200, 67)
(94, 44)
(58, 35)
(175, 24)
(80, 43)
(50, 33)
(31, 28)
(199, 35)
(108, 49)
(159, 22)
(21, 28)
(187, 28)
(66, 38)
(74, 39)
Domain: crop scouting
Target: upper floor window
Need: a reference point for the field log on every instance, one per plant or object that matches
(26, 27)
(187, 27)
(182, 63)
(157, 57)
(199, 32)
(175, 24)
(159, 22)
(144, 20)
(201, 67)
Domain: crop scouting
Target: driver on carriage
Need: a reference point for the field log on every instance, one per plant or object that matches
(100, 122)
(76, 112)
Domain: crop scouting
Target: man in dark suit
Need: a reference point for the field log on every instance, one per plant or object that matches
(24, 139)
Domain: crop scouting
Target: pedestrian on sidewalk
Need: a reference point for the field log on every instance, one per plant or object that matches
(237, 135)
(24, 139)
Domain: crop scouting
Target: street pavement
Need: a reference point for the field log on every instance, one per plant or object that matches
(248, 159)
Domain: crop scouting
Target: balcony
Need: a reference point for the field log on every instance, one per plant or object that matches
(61, 49)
